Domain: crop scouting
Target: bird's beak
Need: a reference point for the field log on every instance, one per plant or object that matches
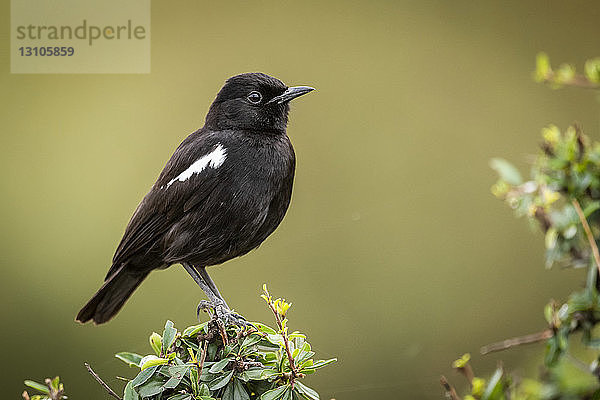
(290, 94)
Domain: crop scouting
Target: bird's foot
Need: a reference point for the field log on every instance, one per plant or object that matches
(219, 310)
(206, 306)
(231, 318)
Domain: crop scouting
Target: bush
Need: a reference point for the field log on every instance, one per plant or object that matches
(212, 361)
(562, 198)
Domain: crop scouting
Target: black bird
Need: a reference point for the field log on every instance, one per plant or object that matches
(224, 190)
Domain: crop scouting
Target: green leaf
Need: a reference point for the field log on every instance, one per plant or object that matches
(155, 342)
(288, 394)
(551, 237)
(276, 393)
(506, 170)
(228, 392)
(306, 392)
(250, 340)
(129, 393)
(590, 208)
(322, 363)
(177, 370)
(304, 355)
(228, 349)
(194, 380)
(193, 330)
(151, 361)
(220, 381)
(55, 382)
(549, 312)
(37, 386)
(204, 390)
(151, 388)
(211, 351)
(131, 359)
(565, 73)
(191, 344)
(258, 374)
(177, 373)
(239, 392)
(551, 134)
(172, 382)
(275, 339)
(296, 334)
(495, 387)
(542, 67)
(570, 232)
(143, 376)
(264, 328)
(219, 366)
(179, 396)
(462, 361)
(592, 70)
(168, 336)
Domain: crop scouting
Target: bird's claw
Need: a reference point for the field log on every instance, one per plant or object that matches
(219, 310)
(205, 306)
(231, 318)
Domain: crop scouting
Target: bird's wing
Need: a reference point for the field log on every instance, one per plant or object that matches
(188, 178)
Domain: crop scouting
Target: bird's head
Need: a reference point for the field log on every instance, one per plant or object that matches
(253, 101)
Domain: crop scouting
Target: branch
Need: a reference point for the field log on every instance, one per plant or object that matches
(101, 382)
(579, 81)
(467, 371)
(286, 343)
(200, 365)
(450, 391)
(55, 394)
(588, 233)
(517, 341)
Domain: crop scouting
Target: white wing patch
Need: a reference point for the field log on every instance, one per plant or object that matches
(214, 159)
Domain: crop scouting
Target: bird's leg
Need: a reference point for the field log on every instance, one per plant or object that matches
(217, 303)
(204, 274)
(214, 299)
(211, 284)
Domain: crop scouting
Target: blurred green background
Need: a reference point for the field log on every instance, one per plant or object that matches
(395, 254)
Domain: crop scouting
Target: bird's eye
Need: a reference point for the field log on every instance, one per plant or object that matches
(254, 97)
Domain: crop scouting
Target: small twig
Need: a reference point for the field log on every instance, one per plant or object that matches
(222, 331)
(517, 341)
(467, 371)
(101, 382)
(588, 232)
(200, 365)
(287, 344)
(450, 392)
(578, 363)
(579, 81)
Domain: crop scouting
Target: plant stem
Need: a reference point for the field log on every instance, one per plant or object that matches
(450, 391)
(588, 233)
(287, 345)
(579, 81)
(517, 341)
(200, 365)
(101, 382)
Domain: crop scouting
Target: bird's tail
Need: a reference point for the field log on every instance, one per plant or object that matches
(109, 299)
